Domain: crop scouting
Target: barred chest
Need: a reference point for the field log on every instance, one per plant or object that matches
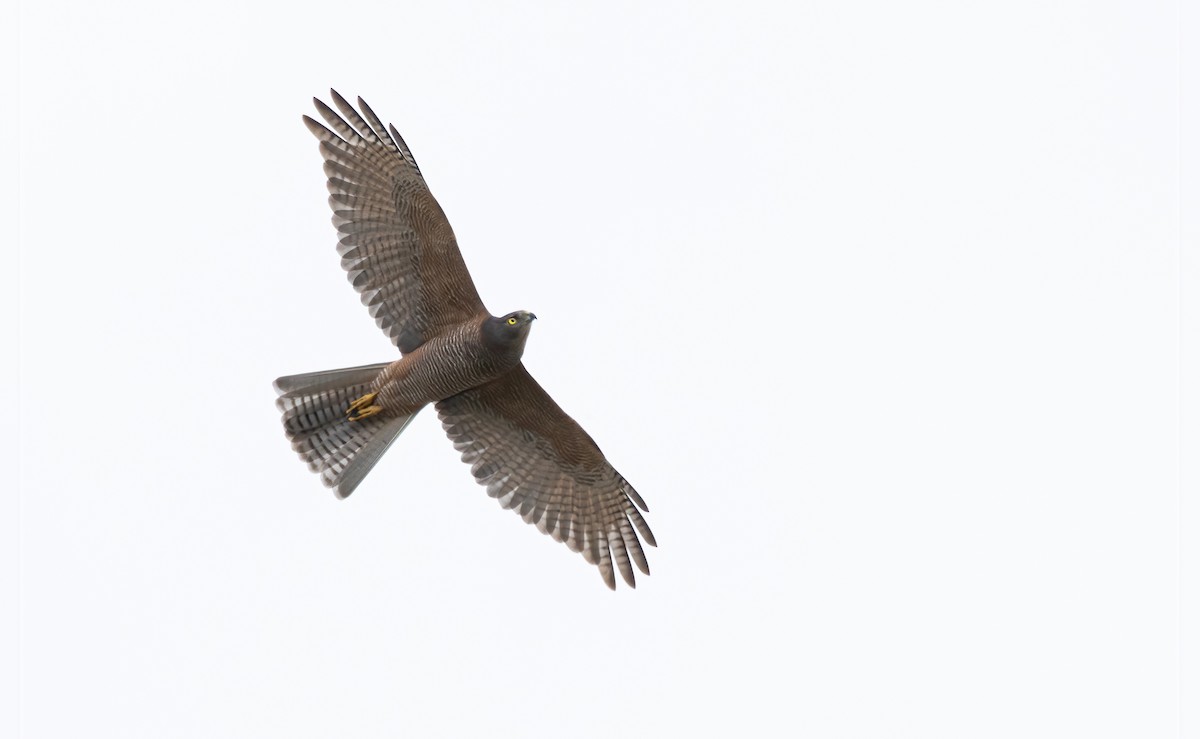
(445, 366)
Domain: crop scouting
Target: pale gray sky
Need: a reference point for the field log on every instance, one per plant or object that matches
(877, 305)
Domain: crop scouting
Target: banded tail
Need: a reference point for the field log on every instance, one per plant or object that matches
(315, 418)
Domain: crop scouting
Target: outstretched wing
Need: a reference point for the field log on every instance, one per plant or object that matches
(537, 461)
(395, 241)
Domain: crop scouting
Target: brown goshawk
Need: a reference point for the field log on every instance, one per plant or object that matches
(401, 256)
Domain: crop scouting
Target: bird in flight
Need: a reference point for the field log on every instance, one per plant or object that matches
(400, 254)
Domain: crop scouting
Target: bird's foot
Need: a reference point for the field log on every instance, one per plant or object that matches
(363, 408)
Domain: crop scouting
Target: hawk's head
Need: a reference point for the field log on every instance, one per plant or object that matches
(508, 332)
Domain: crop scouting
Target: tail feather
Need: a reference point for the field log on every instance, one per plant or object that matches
(341, 451)
(313, 382)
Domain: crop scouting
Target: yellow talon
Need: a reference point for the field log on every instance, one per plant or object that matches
(363, 408)
(366, 412)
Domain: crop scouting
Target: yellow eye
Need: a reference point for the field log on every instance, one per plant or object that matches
(512, 321)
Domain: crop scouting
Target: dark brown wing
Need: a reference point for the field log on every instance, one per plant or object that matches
(396, 243)
(537, 461)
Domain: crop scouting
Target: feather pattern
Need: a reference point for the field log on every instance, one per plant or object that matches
(396, 245)
(341, 451)
(533, 458)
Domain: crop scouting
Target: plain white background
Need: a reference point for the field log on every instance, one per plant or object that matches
(877, 304)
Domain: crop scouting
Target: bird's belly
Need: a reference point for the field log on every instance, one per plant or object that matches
(431, 373)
